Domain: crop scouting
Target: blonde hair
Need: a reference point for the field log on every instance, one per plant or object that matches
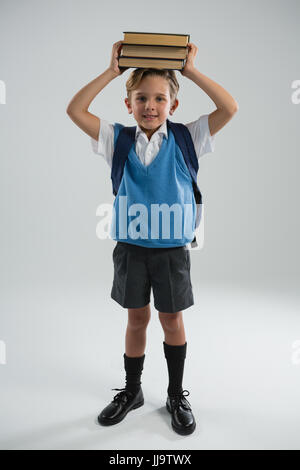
(137, 76)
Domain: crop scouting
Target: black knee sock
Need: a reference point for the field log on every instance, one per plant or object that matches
(133, 367)
(175, 356)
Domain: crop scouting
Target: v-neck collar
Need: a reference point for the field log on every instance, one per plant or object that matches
(158, 156)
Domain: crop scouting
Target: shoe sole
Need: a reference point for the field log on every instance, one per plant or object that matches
(182, 431)
(118, 420)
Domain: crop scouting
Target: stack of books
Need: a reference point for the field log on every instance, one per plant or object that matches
(154, 50)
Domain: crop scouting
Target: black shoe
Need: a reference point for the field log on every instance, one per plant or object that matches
(121, 404)
(183, 421)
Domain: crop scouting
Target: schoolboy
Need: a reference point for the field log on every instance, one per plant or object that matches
(155, 172)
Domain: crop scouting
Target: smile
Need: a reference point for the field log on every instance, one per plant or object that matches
(150, 117)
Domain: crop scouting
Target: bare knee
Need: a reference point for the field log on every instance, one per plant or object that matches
(138, 318)
(171, 322)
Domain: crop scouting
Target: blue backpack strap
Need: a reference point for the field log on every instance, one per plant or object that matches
(185, 142)
(123, 140)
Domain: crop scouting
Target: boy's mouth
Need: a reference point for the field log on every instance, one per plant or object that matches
(149, 116)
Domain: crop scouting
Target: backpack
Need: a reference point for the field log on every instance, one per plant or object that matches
(183, 138)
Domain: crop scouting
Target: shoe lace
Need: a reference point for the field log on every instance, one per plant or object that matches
(180, 399)
(121, 395)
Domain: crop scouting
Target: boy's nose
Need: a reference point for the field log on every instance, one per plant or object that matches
(149, 107)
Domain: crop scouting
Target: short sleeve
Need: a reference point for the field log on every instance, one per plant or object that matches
(203, 141)
(104, 146)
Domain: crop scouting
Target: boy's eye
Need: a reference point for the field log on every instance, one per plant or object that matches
(142, 97)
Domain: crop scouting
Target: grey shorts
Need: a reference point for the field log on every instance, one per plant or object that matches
(166, 270)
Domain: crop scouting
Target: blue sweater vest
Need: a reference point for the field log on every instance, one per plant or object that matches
(155, 205)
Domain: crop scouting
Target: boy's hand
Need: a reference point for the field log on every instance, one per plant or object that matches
(116, 49)
(189, 65)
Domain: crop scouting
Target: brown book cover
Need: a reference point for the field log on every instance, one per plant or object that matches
(148, 62)
(159, 39)
(157, 52)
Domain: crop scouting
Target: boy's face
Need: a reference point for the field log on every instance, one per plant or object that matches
(151, 98)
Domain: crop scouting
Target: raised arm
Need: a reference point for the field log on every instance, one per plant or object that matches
(225, 103)
(79, 104)
(78, 107)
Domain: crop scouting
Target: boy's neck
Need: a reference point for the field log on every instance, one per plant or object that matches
(149, 132)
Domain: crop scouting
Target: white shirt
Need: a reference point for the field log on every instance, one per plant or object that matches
(147, 150)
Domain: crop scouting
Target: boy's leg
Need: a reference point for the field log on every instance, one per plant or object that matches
(130, 397)
(183, 420)
(135, 340)
(173, 327)
(174, 348)
(138, 319)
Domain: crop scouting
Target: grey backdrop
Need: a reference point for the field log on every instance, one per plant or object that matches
(56, 313)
